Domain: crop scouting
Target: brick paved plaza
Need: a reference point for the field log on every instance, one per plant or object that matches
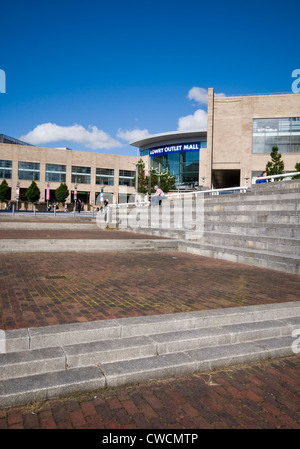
(40, 289)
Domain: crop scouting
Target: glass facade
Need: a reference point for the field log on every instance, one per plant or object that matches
(185, 166)
(29, 171)
(55, 173)
(126, 178)
(81, 175)
(105, 176)
(281, 132)
(179, 159)
(5, 169)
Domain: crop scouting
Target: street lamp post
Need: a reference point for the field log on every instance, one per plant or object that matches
(48, 195)
(75, 196)
(136, 178)
(18, 194)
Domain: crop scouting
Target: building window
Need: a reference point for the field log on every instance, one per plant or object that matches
(281, 132)
(126, 178)
(105, 176)
(184, 166)
(55, 173)
(5, 169)
(29, 171)
(81, 175)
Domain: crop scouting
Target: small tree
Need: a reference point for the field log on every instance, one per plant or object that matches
(33, 193)
(4, 192)
(276, 166)
(166, 181)
(62, 193)
(142, 185)
(297, 168)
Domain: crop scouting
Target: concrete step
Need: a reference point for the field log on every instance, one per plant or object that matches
(93, 331)
(21, 390)
(39, 387)
(281, 254)
(269, 217)
(266, 243)
(49, 225)
(279, 232)
(39, 361)
(256, 229)
(289, 263)
(81, 245)
(59, 360)
(256, 197)
(272, 187)
(196, 360)
(253, 206)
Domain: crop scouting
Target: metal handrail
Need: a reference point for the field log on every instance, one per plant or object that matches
(179, 194)
(242, 189)
(272, 177)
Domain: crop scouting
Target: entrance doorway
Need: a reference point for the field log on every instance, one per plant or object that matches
(225, 178)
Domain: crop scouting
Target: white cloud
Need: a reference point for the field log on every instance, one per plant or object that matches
(92, 137)
(196, 121)
(200, 95)
(133, 135)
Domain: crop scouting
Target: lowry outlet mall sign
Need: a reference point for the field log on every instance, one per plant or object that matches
(181, 148)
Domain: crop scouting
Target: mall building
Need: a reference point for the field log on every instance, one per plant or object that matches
(87, 174)
(234, 149)
(241, 132)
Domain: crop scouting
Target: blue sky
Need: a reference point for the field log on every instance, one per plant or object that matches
(96, 75)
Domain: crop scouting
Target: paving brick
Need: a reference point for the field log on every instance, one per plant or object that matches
(14, 417)
(88, 409)
(94, 289)
(130, 407)
(77, 419)
(31, 421)
(47, 421)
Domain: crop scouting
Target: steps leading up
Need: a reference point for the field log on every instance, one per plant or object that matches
(260, 227)
(84, 245)
(40, 363)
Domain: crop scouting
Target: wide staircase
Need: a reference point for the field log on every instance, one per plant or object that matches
(260, 227)
(46, 362)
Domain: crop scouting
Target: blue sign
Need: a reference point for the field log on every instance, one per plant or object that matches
(180, 148)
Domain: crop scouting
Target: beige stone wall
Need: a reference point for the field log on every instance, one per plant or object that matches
(229, 130)
(67, 157)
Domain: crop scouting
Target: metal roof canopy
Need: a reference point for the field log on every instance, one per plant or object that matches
(167, 137)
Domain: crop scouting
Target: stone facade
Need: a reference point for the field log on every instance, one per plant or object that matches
(64, 156)
(229, 131)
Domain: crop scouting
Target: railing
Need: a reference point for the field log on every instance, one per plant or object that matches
(287, 176)
(240, 189)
